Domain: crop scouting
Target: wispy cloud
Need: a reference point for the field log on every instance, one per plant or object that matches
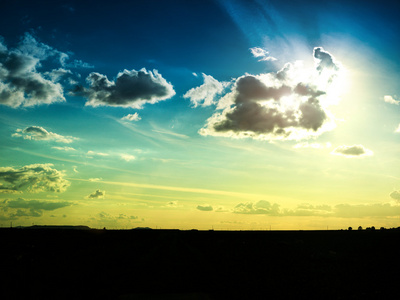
(132, 117)
(261, 54)
(40, 134)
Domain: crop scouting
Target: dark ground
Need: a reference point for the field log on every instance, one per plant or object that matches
(169, 264)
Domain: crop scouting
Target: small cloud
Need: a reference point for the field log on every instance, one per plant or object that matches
(173, 204)
(64, 148)
(205, 207)
(195, 74)
(92, 153)
(352, 151)
(128, 157)
(97, 195)
(95, 179)
(262, 54)
(132, 117)
(395, 195)
(204, 94)
(40, 134)
(389, 99)
(398, 129)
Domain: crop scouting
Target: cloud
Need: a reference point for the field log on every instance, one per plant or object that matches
(262, 54)
(305, 210)
(32, 178)
(56, 74)
(205, 207)
(21, 84)
(325, 63)
(40, 134)
(389, 99)
(91, 153)
(130, 89)
(261, 207)
(95, 179)
(97, 195)
(288, 105)
(397, 129)
(64, 148)
(352, 151)
(395, 195)
(132, 117)
(128, 157)
(14, 209)
(204, 94)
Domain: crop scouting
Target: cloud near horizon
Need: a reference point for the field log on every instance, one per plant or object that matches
(352, 151)
(130, 89)
(13, 209)
(307, 210)
(288, 105)
(206, 207)
(40, 134)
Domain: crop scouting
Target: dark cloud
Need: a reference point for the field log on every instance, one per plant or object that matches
(39, 133)
(325, 60)
(130, 89)
(97, 194)
(251, 115)
(204, 207)
(395, 195)
(32, 178)
(13, 209)
(20, 82)
(262, 207)
(352, 151)
(285, 105)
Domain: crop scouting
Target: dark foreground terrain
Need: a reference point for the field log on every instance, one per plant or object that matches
(167, 264)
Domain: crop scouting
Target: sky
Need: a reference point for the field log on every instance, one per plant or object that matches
(225, 115)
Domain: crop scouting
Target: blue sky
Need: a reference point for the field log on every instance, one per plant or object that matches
(192, 114)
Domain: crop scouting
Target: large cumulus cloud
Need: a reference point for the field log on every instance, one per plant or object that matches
(21, 84)
(32, 178)
(130, 89)
(290, 104)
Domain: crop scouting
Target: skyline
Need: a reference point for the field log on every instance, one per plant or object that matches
(200, 114)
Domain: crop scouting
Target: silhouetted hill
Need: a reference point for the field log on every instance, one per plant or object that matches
(171, 264)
